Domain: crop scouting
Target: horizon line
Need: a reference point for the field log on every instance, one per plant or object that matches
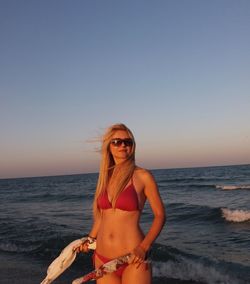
(154, 169)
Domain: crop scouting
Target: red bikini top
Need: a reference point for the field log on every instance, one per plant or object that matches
(127, 200)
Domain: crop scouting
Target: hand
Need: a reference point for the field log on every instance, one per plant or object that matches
(83, 247)
(138, 256)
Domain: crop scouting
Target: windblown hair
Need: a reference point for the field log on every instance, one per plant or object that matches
(110, 174)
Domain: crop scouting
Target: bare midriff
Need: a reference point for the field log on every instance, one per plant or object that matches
(119, 232)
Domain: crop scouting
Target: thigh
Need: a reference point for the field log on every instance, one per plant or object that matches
(140, 275)
(109, 278)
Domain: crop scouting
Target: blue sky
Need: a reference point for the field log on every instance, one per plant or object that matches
(176, 72)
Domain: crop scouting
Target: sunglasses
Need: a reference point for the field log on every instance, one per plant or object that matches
(117, 142)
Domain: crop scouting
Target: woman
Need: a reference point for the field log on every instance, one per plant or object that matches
(121, 192)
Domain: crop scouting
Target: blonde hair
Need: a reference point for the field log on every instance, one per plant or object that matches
(113, 175)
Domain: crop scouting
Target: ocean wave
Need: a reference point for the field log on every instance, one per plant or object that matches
(187, 269)
(181, 212)
(17, 248)
(170, 262)
(233, 187)
(235, 215)
(34, 246)
(182, 179)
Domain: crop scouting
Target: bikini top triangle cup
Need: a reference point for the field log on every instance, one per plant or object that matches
(126, 201)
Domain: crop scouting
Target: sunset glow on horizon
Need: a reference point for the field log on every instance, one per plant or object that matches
(175, 72)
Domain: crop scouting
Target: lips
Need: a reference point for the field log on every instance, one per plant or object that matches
(122, 150)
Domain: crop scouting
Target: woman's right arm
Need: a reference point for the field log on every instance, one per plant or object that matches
(92, 234)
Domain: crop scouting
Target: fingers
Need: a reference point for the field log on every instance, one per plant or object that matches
(137, 259)
(138, 256)
(85, 247)
(138, 265)
(82, 248)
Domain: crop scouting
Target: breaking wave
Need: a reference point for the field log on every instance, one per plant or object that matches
(235, 215)
(187, 269)
(233, 187)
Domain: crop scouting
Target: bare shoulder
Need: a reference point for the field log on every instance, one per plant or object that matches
(146, 181)
(144, 175)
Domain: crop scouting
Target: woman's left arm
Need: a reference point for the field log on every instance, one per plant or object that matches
(152, 193)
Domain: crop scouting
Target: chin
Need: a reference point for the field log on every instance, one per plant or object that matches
(123, 156)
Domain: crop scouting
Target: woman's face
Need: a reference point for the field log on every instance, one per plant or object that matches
(121, 146)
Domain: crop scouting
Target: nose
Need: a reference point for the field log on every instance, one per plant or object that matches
(123, 144)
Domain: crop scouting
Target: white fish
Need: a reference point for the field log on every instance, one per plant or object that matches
(65, 259)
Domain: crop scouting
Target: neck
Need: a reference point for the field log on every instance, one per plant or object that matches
(119, 161)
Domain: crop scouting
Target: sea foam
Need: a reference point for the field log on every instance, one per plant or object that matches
(187, 269)
(233, 187)
(235, 215)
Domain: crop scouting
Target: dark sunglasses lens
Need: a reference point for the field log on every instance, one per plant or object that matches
(118, 142)
(128, 142)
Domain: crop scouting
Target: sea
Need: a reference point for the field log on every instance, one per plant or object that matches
(206, 238)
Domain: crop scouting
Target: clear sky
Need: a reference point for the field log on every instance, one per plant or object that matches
(176, 72)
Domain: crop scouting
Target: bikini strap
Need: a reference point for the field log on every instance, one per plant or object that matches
(132, 180)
